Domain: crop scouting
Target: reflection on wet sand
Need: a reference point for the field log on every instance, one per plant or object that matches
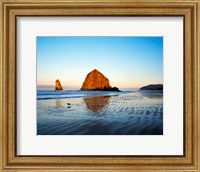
(96, 103)
(58, 102)
(152, 95)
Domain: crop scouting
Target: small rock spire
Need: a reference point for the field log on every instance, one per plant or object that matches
(58, 85)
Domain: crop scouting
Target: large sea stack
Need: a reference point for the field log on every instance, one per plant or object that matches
(153, 87)
(58, 85)
(95, 80)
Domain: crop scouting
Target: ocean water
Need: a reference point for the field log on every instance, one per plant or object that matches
(131, 112)
(52, 94)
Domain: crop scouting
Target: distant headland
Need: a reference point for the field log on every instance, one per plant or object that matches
(153, 87)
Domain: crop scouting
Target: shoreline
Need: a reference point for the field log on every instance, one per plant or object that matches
(84, 94)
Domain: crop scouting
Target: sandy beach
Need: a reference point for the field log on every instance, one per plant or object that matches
(136, 113)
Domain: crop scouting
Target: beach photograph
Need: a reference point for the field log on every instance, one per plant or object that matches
(99, 85)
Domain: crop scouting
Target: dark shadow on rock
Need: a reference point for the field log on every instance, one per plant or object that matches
(96, 103)
(107, 89)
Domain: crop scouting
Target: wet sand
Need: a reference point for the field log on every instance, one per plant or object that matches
(139, 113)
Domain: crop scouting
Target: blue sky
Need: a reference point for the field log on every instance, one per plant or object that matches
(128, 62)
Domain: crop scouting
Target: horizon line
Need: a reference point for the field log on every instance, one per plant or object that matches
(80, 87)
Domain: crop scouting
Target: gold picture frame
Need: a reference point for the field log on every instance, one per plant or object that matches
(10, 9)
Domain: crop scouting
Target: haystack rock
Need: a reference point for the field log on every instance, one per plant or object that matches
(58, 85)
(95, 80)
(153, 87)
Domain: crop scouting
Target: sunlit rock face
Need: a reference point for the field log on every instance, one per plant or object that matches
(58, 85)
(95, 80)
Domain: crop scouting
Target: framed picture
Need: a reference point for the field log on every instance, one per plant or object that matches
(99, 85)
